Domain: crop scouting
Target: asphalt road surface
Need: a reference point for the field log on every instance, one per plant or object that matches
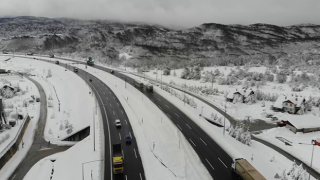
(112, 110)
(34, 154)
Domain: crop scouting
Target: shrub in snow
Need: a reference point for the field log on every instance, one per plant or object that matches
(49, 74)
(281, 78)
(174, 73)
(52, 116)
(50, 103)
(70, 129)
(50, 131)
(61, 126)
(66, 124)
(212, 116)
(50, 97)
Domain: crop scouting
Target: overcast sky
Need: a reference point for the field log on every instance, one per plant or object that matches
(172, 13)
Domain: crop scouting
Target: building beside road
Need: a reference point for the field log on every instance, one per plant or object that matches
(305, 123)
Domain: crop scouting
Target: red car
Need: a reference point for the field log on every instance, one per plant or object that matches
(281, 123)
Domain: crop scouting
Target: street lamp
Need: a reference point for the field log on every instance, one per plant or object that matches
(87, 163)
(313, 143)
(224, 118)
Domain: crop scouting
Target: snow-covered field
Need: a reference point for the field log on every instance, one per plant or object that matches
(76, 107)
(33, 110)
(301, 151)
(261, 154)
(258, 154)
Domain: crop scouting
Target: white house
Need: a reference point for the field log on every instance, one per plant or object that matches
(290, 104)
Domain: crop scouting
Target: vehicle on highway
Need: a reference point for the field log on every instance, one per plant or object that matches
(30, 53)
(112, 71)
(90, 61)
(149, 87)
(57, 62)
(75, 69)
(245, 170)
(274, 118)
(90, 80)
(117, 159)
(118, 123)
(51, 55)
(138, 84)
(128, 139)
(37, 99)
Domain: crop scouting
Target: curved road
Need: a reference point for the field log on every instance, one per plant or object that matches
(34, 154)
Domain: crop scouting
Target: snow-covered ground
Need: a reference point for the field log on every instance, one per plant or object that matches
(301, 151)
(76, 106)
(260, 153)
(33, 110)
(239, 111)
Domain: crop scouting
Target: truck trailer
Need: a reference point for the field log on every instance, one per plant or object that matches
(117, 159)
(90, 61)
(245, 170)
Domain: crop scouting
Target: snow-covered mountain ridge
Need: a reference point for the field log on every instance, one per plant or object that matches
(105, 39)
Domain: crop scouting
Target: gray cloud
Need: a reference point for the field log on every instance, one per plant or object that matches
(172, 13)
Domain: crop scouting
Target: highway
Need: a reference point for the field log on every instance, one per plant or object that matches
(112, 110)
(213, 157)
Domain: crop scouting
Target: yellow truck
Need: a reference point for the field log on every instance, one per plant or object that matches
(245, 170)
(117, 159)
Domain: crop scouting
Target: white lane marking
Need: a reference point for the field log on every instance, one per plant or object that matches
(126, 121)
(203, 141)
(126, 177)
(222, 162)
(120, 136)
(130, 134)
(110, 105)
(167, 106)
(192, 142)
(121, 111)
(118, 104)
(114, 97)
(107, 98)
(122, 154)
(159, 107)
(140, 176)
(188, 126)
(135, 153)
(179, 127)
(209, 164)
(169, 116)
(111, 174)
(114, 113)
(159, 99)
(176, 114)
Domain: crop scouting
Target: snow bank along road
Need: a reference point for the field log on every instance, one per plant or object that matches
(34, 153)
(215, 159)
(111, 109)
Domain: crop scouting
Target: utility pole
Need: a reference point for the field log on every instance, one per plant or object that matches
(211, 80)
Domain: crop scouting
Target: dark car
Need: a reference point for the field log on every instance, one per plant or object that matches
(37, 99)
(57, 62)
(51, 55)
(90, 80)
(75, 69)
(112, 71)
(128, 139)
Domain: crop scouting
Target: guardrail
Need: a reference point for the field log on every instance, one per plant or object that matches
(13, 146)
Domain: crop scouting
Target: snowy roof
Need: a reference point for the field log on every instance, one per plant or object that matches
(248, 91)
(279, 101)
(295, 100)
(241, 91)
(303, 121)
(231, 94)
